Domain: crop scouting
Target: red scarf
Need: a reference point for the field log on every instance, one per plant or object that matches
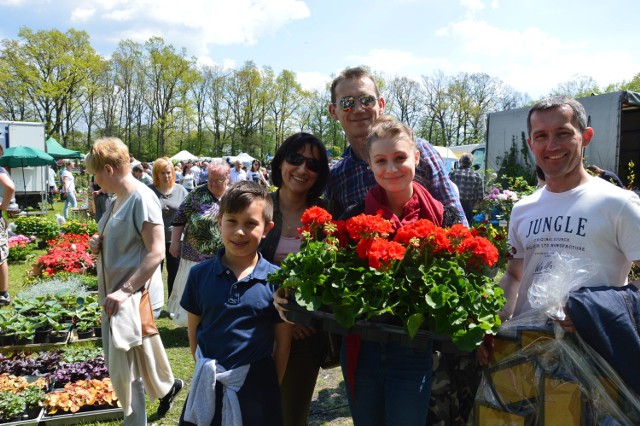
(421, 205)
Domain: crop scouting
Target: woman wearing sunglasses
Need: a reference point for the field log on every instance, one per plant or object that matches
(300, 170)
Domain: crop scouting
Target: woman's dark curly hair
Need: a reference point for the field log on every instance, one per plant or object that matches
(295, 143)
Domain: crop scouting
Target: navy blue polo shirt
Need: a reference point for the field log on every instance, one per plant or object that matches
(237, 317)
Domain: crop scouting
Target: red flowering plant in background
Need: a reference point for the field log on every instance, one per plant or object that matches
(68, 253)
(497, 235)
(422, 274)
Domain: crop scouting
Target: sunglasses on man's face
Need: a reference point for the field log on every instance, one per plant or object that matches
(296, 159)
(348, 102)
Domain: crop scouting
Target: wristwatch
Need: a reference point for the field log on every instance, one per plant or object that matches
(128, 287)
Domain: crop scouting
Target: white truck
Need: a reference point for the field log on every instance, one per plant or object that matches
(614, 117)
(30, 182)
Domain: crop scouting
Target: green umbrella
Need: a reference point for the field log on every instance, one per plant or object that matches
(25, 156)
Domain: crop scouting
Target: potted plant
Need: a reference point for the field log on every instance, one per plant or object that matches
(84, 328)
(33, 400)
(20, 399)
(81, 395)
(7, 337)
(24, 329)
(89, 316)
(12, 406)
(59, 331)
(418, 275)
(43, 328)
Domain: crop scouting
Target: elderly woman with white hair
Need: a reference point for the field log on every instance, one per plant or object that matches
(195, 236)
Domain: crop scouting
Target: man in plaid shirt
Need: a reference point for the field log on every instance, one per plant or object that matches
(469, 185)
(356, 103)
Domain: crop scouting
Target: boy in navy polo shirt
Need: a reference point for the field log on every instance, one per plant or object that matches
(235, 334)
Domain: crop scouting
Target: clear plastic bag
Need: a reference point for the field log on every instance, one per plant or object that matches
(552, 379)
(550, 289)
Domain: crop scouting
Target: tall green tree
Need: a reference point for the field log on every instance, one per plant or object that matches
(169, 75)
(218, 114)
(53, 66)
(245, 100)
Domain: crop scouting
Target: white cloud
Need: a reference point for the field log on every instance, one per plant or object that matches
(12, 2)
(531, 59)
(208, 21)
(313, 80)
(140, 36)
(121, 15)
(82, 14)
(395, 61)
(472, 5)
(228, 64)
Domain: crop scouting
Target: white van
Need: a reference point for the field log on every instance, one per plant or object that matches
(478, 151)
(449, 158)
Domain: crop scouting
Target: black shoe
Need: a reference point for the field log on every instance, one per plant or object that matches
(167, 400)
(5, 299)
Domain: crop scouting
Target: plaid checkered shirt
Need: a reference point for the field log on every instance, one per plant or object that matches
(469, 183)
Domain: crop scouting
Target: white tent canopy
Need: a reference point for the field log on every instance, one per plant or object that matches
(245, 158)
(184, 155)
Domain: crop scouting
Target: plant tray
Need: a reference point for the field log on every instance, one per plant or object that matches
(73, 337)
(32, 421)
(370, 331)
(82, 417)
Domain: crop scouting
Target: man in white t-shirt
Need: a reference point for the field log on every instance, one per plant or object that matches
(575, 213)
(237, 173)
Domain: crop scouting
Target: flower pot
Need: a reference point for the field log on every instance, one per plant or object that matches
(7, 339)
(58, 336)
(97, 331)
(85, 334)
(24, 341)
(42, 335)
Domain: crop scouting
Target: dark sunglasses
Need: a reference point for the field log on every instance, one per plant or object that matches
(367, 101)
(296, 159)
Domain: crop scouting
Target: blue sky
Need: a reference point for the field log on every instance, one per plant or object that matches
(532, 45)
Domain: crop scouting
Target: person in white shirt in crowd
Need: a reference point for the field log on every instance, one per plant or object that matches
(188, 178)
(68, 188)
(196, 170)
(238, 173)
(52, 186)
(256, 175)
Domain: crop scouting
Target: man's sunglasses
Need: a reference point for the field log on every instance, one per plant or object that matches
(296, 159)
(346, 103)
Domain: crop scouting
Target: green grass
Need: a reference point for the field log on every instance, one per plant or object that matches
(174, 338)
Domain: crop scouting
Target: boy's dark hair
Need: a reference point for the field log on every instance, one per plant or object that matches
(241, 195)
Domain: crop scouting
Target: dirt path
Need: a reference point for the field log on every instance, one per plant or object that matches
(329, 405)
